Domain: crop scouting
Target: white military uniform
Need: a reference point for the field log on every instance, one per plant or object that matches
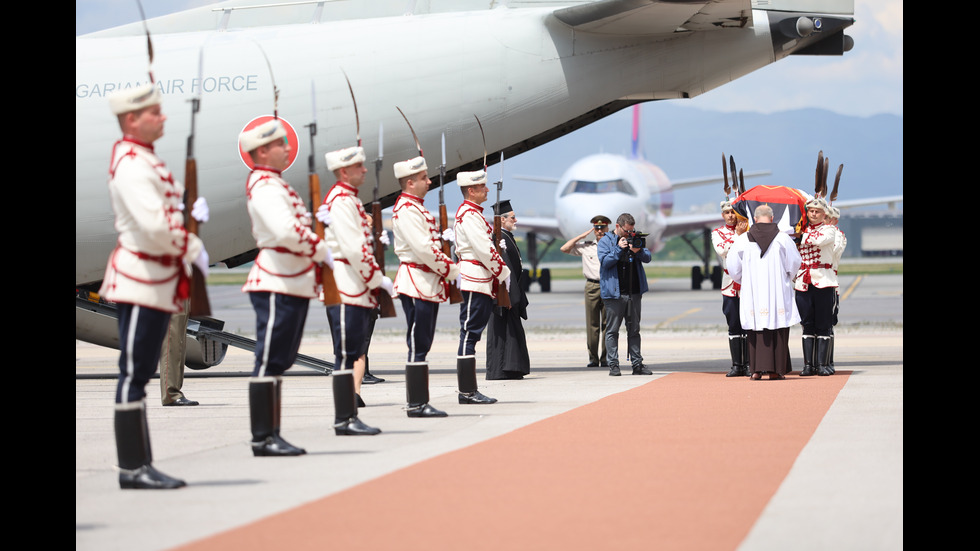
(288, 248)
(424, 268)
(817, 252)
(722, 239)
(350, 240)
(840, 243)
(154, 251)
(479, 262)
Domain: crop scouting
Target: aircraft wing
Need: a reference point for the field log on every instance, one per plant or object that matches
(684, 223)
(888, 200)
(650, 17)
(546, 226)
(703, 181)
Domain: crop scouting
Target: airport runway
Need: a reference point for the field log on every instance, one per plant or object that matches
(679, 469)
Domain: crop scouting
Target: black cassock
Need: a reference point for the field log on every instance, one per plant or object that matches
(507, 356)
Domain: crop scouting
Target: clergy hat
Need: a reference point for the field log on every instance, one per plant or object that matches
(134, 99)
(503, 207)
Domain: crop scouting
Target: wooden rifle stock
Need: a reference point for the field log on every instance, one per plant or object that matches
(200, 305)
(455, 296)
(331, 295)
(503, 296)
(384, 299)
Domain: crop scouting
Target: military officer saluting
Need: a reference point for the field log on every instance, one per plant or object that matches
(722, 238)
(281, 282)
(816, 288)
(358, 279)
(480, 267)
(148, 272)
(422, 277)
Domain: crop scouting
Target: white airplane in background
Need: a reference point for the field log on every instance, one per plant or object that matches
(532, 71)
(613, 184)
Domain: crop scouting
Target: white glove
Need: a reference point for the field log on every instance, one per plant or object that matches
(507, 284)
(449, 235)
(200, 210)
(201, 262)
(323, 215)
(388, 286)
(384, 239)
(458, 282)
(306, 219)
(328, 260)
(503, 245)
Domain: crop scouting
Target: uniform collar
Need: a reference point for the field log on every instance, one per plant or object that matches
(473, 205)
(267, 169)
(140, 143)
(346, 186)
(411, 197)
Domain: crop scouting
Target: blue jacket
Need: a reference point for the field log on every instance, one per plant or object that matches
(609, 253)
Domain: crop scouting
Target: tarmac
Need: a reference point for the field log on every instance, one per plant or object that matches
(844, 490)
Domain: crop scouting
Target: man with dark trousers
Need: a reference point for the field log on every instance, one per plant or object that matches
(722, 238)
(358, 278)
(481, 269)
(623, 281)
(816, 288)
(281, 282)
(148, 272)
(422, 277)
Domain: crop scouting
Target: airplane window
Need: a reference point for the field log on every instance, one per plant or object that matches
(609, 186)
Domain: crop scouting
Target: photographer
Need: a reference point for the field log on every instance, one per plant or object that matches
(622, 283)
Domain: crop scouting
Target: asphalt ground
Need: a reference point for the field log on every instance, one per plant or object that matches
(844, 490)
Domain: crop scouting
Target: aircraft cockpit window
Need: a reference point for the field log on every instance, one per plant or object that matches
(608, 186)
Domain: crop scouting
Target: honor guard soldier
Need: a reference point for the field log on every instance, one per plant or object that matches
(358, 279)
(281, 282)
(148, 273)
(479, 266)
(721, 239)
(422, 277)
(816, 288)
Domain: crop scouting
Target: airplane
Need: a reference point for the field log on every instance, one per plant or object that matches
(531, 71)
(610, 184)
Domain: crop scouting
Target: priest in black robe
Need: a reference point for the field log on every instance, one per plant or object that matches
(507, 356)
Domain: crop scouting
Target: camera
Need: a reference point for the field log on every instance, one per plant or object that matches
(636, 239)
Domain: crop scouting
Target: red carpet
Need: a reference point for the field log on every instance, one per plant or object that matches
(687, 461)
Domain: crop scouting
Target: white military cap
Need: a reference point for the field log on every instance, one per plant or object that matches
(834, 212)
(409, 167)
(133, 99)
(262, 134)
(819, 203)
(726, 205)
(466, 179)
(345, 157)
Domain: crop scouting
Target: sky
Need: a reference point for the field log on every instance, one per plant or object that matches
(866, 81)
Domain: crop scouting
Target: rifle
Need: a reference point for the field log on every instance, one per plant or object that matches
(200, 305)
(331, 295)
(503, 295)
(384, 299)
(455, 297)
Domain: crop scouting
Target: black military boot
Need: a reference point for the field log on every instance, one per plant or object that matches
(745, 355)
(820, 361)
(466, 378)
(369, 379)
(417, 391)
(345, 407)
(830, 359)
(809, 347)
(265, 406)
(134, 453)
(735, 349)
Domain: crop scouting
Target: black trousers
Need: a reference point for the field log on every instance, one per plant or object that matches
(421, 317)
(816, 308)
(279, 322)
(350, 329)
(474, 313)
(141, 334)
